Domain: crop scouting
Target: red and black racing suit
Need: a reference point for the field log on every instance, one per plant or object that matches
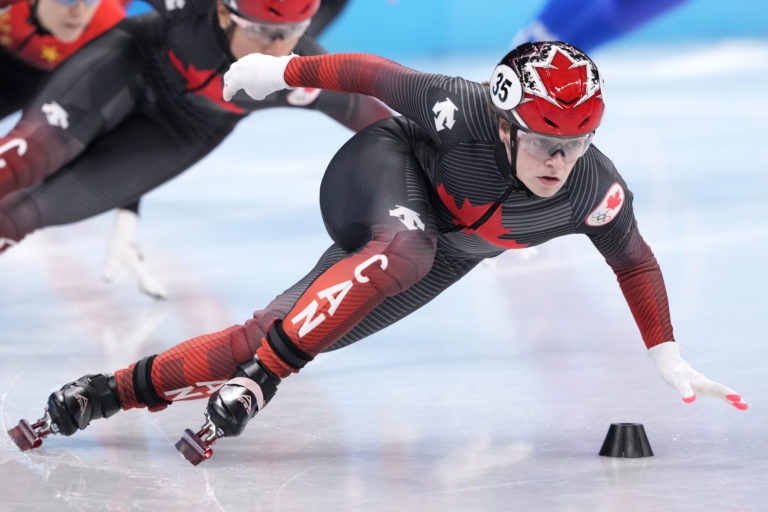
(412, 204)
(131, 111)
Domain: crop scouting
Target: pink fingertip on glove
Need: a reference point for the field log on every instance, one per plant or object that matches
(737, 403)
(689, 399)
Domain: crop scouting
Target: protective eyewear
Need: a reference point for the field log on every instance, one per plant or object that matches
(70, 3)
(546, 146)
(270, 31)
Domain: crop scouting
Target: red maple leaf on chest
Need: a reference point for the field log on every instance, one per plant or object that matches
(490, 230)
(195, 78)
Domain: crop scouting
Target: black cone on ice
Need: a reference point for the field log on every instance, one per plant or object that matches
(626, 440)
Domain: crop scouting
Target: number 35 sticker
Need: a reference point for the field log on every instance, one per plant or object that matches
(506, 89)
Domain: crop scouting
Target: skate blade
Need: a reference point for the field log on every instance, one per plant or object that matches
(194, 449)
(24, 436)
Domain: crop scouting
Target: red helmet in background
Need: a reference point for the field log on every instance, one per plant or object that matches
(548, 87)
(274, 11)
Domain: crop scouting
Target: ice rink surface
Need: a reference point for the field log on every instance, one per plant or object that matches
(496, 396)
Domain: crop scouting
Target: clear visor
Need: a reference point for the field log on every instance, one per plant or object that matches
(265, 31)
(546, 146)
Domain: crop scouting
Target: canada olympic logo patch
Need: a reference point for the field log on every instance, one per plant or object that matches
(609, 207)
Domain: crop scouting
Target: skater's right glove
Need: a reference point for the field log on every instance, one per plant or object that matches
(687, 381)
(257, 74)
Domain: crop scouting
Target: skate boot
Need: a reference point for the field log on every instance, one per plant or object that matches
(70, 409)
(229, 409)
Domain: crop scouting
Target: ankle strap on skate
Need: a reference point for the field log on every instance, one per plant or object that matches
(143, 387)
(284, 347)
(255, 371)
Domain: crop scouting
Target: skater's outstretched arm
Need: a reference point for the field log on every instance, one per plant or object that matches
(409, 92)
(355, 111)
(611, 226)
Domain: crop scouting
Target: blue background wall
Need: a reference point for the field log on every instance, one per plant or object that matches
(439, 27)
(396, 28)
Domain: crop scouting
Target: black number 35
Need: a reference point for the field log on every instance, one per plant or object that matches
(501, 87)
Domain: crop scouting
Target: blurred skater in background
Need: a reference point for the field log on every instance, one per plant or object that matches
(36, 37)
(143, 104)
(588, 24)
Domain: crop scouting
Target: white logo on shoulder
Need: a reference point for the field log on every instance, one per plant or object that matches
(171, 5)
(609, 207)
(303, 96)
(56, 115)
(444, 111)
(410, 218)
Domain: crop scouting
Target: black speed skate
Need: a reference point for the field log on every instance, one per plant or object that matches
(229, 409)
(70, 409)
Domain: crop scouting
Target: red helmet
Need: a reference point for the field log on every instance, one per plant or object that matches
(274, 11)
(548, 87)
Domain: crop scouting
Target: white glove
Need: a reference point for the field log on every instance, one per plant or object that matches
(258, 74)
(123, 249)
(687, 381)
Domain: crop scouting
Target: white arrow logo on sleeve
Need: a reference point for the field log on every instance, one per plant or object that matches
(56, 115)
(444, 111)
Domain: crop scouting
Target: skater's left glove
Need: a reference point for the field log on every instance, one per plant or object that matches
(123, 251)
(687, 381)
(257, 74)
